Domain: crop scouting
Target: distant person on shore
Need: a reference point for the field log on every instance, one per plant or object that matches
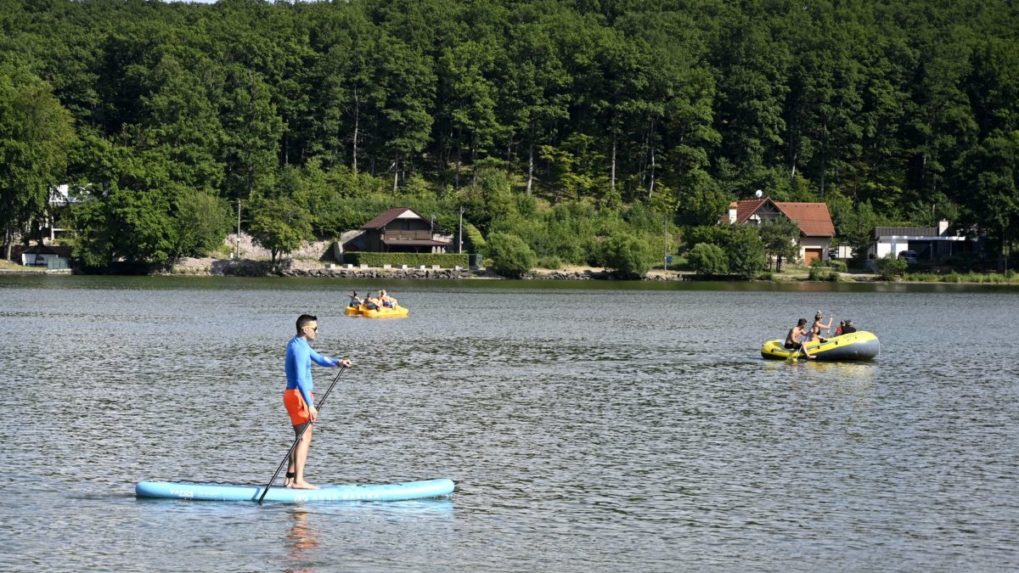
(299, 397)
(798, 335)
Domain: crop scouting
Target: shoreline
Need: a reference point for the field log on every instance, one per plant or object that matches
(308, 268)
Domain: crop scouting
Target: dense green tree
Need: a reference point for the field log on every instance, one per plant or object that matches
(591, 111)
(511, 256)
(279, 224)
(708, 259)
(628, 256)
(126, 226)
(779, 237)
(35, 135)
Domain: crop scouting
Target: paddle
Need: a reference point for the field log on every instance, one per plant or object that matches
(300, 435)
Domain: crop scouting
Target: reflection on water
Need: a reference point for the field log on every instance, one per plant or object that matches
(300, 541)
(584, 434)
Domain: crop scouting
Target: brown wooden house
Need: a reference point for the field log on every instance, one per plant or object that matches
(398, 230)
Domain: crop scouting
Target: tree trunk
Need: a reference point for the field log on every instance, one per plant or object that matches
(7, 243)
(456, 172)
(651, 145)
(357, 125)
(613, 176)
(530, 167)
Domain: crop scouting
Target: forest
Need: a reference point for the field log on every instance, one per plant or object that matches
(568, 131)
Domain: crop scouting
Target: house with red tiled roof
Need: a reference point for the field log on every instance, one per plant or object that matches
(813, 219)
(397, 230)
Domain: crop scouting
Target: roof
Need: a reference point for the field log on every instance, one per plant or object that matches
(813, 219)
(905, 232)
(59, 250)
(390, 215)
(416, 242)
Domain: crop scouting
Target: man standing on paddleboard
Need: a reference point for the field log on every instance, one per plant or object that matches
(298, 397)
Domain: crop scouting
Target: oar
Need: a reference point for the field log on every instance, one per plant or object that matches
(300, 435)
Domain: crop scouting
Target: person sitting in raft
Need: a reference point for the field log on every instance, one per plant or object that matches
(815, 329)
(848, 328)
(797, 336)
(386, 300)
(372, 303)
(840, 329)
(355, 300)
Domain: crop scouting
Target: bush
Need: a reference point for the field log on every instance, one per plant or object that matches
(552, 262)
(838, 265)
(822, 273)
(708, 259)
(444, 260)
(511, 257)
(890, 267)
(629, 256)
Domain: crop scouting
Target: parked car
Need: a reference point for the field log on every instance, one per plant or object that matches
(909, 256)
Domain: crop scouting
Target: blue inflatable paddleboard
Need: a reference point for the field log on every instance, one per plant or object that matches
(343, 492)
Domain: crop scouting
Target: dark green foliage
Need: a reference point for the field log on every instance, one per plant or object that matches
(708, 260)
(201, 220)
(779, 237)
(743, 248)
(279, 224)
(823, 273)
(745, 251)
(890, 267)
(628, 256)
(563, 123)
(35, 135)
(511, 257)
(412, 260)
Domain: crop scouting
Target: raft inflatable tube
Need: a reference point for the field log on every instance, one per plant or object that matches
(855, 346)
(384, 312)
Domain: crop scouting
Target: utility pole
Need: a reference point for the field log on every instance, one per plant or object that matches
(665, 228)
(237, 240)
(460, 233)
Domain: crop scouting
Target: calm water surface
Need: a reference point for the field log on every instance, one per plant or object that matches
(590, 427)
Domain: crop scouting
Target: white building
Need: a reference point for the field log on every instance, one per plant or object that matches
(928, 243)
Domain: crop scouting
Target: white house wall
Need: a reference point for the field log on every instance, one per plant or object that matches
(822, 243)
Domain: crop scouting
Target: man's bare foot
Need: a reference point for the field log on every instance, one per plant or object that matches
(302, 485)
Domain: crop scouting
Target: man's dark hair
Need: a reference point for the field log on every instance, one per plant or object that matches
(305, 320)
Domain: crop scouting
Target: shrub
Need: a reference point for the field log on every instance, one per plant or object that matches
(708, 259)
(444, 260)
(890, 267)
(550, 262)
(511, 257)
(838, 265)
(629, 256)
(821, 273)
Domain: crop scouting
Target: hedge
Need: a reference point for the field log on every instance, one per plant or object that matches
(397, 260)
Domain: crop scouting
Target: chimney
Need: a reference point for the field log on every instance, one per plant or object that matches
(732, 212)
(942, 227)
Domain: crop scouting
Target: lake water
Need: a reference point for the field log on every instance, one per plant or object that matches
(589, 426)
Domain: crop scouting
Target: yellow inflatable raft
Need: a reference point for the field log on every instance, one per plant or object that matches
(860, 345)
(384, 312)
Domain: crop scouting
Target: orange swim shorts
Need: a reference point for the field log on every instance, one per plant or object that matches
(296, 407)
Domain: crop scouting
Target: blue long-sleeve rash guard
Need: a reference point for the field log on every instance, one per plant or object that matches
(300, 355)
